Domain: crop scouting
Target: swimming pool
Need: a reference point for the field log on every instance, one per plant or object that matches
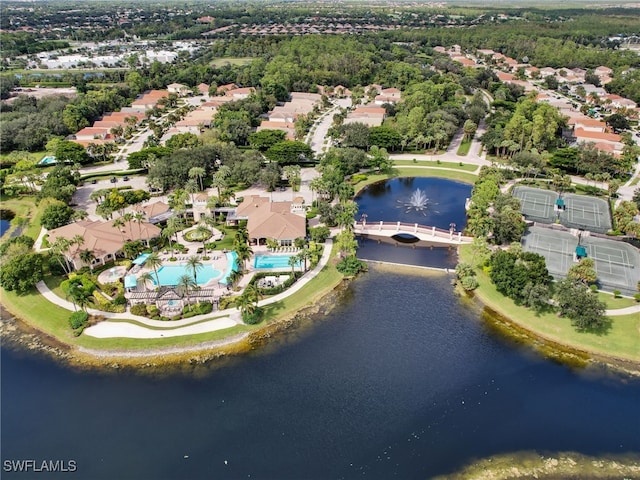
(48, 160)
(170, 274)
(273, 261)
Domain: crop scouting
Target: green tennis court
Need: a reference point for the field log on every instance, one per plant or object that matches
(586, 213)
(556, 247)
(617, 263)
(536, 204)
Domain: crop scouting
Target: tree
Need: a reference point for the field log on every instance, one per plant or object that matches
(264, 139)
(185, 284)
(21, 272)
(385, 137)
(581, 306)
(583, 271)
(87, 257)
(293, 261)
(194, 263)
(270, 176)
(379, 159)
(154, 262)
(67, 151)
(469, 128)
(198, 173)
(355, 135)
(289, 151)
(144, 278)
(292, 174)
(55, 215)
(618, 122)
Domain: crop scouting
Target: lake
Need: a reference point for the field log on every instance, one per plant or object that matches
(402, 379)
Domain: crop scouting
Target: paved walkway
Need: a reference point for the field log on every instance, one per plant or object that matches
(159, 329)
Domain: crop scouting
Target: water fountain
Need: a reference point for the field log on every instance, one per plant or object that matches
(418, 201)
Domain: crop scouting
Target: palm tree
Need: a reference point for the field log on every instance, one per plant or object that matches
(118, 223)
(204, 233)
(198, 173)
(246, 304)
(220, 178)
(185, 283)
(304, 255)
(144, 278)
(194, 263)
(139, 218)
(60, 248)
(87, 257)
(293, 259)
(127, 217)
(168, 232)
(244, 253)
(154, 261)
(192, 187)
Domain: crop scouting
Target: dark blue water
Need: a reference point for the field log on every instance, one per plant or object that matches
(400, 381)
(4, 226)
(386, 201)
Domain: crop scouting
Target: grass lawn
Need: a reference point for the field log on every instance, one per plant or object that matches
(623, 340)
(218, 62)
(326, 280)
(36, 156)
(613, 303)
(461, 176)
(464, 148)
(25, 207)
(35, 310)
(434, 163)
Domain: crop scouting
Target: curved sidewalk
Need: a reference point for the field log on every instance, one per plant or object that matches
(124, 328)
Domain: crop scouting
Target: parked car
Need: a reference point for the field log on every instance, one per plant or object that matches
(114, 179)
(125, 179)
(94, 181)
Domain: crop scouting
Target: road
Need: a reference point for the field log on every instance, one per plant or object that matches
(316, 137)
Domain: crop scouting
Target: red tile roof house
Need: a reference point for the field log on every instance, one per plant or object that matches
(102, 238)
(280, 221)
(609, 142)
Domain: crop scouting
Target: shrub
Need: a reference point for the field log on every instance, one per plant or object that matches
(253, 318)
(469, 283)
(153, 310)
(637, 297)
(351, 265)
(120, 300)
(139, 309)
(225, 302)
(78, 319)
(617, 293)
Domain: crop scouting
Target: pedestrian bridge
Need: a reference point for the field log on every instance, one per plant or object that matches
(421, 232)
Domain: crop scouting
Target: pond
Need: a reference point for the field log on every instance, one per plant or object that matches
(402, 379)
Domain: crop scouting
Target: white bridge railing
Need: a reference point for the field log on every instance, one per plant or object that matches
(423, 232)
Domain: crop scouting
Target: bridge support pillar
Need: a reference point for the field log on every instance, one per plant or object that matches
(459, 237)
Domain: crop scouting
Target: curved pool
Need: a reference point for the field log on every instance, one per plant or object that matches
(169, 275)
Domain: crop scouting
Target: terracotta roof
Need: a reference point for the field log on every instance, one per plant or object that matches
(610, 137)
(93, 131)
(268, 219)
(153, 209)
(102, 237)
(505, 77)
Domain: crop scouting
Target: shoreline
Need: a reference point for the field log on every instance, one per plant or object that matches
(18, 332)
(21, 334)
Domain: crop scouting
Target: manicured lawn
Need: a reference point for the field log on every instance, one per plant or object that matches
(464, 148)
(623, 340)
(430, 163)
(231, 61)
(461, 176)
(613, 302)
(24, 206)
(37, 156)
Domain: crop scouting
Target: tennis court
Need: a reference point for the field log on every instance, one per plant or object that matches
(586, 213)
(536, 204)
(556, 247)
(617, 263)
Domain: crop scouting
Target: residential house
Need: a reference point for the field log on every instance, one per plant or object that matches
(91, 133)
(203, 89)
(240, 93)
(102, 239)
(156, 212)
(148, 100)
(608, 142)
(179, 89)
(371, 116)
(267, 220)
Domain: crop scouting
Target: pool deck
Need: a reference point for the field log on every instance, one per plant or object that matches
(217, 320)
